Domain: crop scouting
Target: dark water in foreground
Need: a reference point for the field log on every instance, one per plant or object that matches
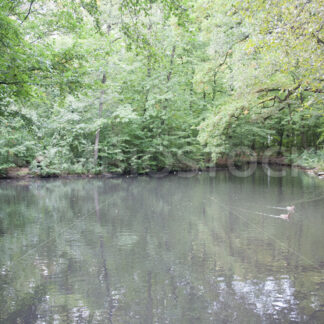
(169, 250)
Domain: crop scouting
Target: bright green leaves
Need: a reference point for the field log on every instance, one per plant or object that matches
(292, 32)
(13, 77)
(277, 69)
(184, 81)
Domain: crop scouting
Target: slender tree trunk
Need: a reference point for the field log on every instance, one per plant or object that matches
(253, 145)
(191, 90)
(101, 102)
(149, 70)
(169, 77)
(171, 62)
(214, 85)
(292, 133)
(303, 138)
(282, 132)
(148, 75)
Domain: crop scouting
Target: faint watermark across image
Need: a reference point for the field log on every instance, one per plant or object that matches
(240, 162)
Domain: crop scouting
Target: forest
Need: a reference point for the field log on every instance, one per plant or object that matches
(134, 86)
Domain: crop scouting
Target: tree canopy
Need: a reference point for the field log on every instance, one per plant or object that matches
(94, 86)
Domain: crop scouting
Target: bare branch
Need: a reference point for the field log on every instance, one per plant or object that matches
(228, 52)
(267, 90)
(29, 10)
(319, 40)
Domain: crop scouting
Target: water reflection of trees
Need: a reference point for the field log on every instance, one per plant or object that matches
(147, 250)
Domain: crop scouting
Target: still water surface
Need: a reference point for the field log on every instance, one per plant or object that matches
(162, 250)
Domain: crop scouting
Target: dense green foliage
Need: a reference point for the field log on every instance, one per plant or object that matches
(134, 86)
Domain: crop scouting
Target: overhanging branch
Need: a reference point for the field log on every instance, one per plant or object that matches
(29, 11)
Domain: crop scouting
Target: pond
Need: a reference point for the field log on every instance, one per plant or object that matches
(187, 248)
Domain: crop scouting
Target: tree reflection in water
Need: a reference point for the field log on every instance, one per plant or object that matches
(148, 250)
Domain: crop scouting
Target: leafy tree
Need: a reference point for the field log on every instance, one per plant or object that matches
(135, 86)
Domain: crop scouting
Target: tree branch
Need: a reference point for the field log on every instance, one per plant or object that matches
(319, 40)
(29, 10)
(11, 82)
(275, 98)
(230, 49)
(314, 90)
(228, 52)
(267, 90)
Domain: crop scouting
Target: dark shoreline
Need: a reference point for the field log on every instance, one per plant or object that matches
(24, 173)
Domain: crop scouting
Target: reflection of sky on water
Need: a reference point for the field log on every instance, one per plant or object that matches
(269, 297)
(159, 251)
(271, 300)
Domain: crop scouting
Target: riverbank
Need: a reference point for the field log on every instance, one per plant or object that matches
(222, 164)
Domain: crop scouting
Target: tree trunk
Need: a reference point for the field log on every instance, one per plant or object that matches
(169, 77)
(191, 91)
(214, 85)
(148, 77)
(101, 102)
(281, 134)
(171, 62)
(149, 69)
